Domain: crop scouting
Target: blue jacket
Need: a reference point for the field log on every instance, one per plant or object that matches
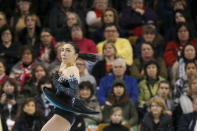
(105, 87)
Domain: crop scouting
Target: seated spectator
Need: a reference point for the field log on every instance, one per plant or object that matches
(173, 49)
(83, 72)
(110, 15)
(116, 117)
(18, 19)
(165, 92)
(21, 71)
(179, 16)
(123, 46)
(188, 121)
(3, 73)
(54, 66)
(46, 48)
(119, 97)
(135, 15)
(78, 37)
(10, 101)
(9, 49)
(39, 71)
(86, 93)
(44, 106)
(93, 17)
(30, 34)
(152, 36)
(3, 21)
(182, 85)
(188, 53)
(29, 118)
(105, 85)
(147, 54)
(149, 85)
(104, 66)
(156, 119)
(185, 101)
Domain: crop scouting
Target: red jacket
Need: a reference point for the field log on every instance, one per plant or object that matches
(172, 48)
(86, 45)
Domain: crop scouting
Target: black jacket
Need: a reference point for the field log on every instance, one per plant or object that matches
(165, 123)
(187, 122)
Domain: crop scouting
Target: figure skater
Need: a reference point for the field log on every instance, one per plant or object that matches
(64, 96)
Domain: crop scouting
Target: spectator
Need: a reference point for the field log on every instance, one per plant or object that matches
(116, 117)
(39, 71)
(188, 53)
(110, 15)
(3, 74)
(30, 34)
(93, 17)
(21, 71)
(87, 93)
(46, 48)
(149, 85)
(29, 118)
(152, 36)
(9, 49)
(83, 72)
(165, 92)
(188, 121)
(3, 19)
(182, 85)
(133, 17)
(104, 66)
(119, 98)
(156, 119)
(105, 85)
(78, 37)
(147, 54)
(124, 49)
(18, 19)
(174, 48)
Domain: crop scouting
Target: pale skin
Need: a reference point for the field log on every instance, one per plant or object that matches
(67, 69)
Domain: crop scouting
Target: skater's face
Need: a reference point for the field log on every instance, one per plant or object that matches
(68, 54)
(30, 108)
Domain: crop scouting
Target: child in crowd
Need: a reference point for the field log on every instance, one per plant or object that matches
(116, 117)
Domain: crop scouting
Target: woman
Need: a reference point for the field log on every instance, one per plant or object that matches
(104, 66)
(156, 119)
(3, 74)
(188, 53)
(120, 98)
(9, 49)
(46, 48)
(86, 93)
(147, 54)
(150, 84)
(173, 49)
(66, 82)
(151, 35)
(29, 118)
(39, 71)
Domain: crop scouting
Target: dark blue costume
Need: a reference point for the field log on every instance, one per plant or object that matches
(65, 98)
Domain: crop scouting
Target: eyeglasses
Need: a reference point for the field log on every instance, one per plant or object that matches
(113, 31)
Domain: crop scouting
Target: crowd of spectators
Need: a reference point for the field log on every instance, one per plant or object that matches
(145, 75)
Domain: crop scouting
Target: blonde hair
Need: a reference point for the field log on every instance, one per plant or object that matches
(34, 17)
(110, 43)
(159, 101)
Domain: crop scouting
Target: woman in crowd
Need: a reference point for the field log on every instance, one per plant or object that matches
(3, 73)
(29, 117)
(119, 97)
(156, 118)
